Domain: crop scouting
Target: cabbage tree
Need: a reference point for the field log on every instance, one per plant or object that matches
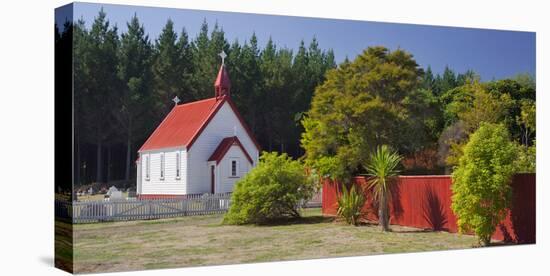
(382, 168)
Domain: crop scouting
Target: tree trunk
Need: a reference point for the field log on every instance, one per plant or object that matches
(485, 240)
(77, 161)
(128, 156)
(383, 212)
(99, 170)
(109, 154)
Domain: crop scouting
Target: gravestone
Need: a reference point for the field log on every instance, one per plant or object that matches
(111, 190)
(115, 195)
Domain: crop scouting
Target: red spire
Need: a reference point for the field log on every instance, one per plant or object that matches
(222, 84)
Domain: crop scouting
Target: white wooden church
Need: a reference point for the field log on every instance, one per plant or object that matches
(200, 147)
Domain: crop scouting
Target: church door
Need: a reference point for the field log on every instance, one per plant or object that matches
(212, 179)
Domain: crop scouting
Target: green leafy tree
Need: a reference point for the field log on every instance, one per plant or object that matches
(361, 105)
(382, 168)
(272, 190)
(467, 107)
(350, 204)
(527, 120)
(526, 159)
(481, 182)
(518, 93)
(426, 118)
(484, 107)
(509, 101)
(527, 81)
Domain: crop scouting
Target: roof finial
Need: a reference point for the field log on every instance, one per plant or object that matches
(223, 55)
(176, 100)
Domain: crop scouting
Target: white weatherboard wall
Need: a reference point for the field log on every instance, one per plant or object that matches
(221, 126)
(226, 182)
(170, 185)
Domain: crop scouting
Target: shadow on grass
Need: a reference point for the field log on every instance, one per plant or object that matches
(296, 221)
(500, 243)
(367, 223)
(434, 212)
(495, 244)
(413, 231)
(370, 223)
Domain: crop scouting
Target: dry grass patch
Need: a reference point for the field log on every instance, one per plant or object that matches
(203, 240)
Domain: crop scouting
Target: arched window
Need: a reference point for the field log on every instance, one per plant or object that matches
(234, 167)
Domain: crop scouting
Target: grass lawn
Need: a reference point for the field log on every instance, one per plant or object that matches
(202, 240)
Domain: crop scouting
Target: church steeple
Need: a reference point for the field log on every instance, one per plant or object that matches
(222, 85)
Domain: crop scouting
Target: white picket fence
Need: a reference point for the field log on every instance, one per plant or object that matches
(117, 210)
(316, 201)
(135, 209)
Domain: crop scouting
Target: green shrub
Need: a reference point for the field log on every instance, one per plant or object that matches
(350, 204)
(481, 182)
(272, 190)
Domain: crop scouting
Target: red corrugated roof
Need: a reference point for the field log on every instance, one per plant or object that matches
(183, 125)
(224, 146)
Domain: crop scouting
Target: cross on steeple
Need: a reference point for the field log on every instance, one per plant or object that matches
(176, 100)
(222, 85)
(223, 55)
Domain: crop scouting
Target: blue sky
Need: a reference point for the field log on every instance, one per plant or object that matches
(491, 53)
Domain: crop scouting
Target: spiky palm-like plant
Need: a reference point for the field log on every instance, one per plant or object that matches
(350, 204)
(382, 166)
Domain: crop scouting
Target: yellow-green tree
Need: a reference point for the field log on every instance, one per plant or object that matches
(362, 104)
(481, 182)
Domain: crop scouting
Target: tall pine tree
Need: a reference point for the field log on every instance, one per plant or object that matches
(102, 84)
(135, 98)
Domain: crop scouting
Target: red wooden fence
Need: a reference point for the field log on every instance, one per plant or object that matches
(425, 202)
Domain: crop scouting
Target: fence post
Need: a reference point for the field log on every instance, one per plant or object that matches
(150, 209)
(115, 210)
